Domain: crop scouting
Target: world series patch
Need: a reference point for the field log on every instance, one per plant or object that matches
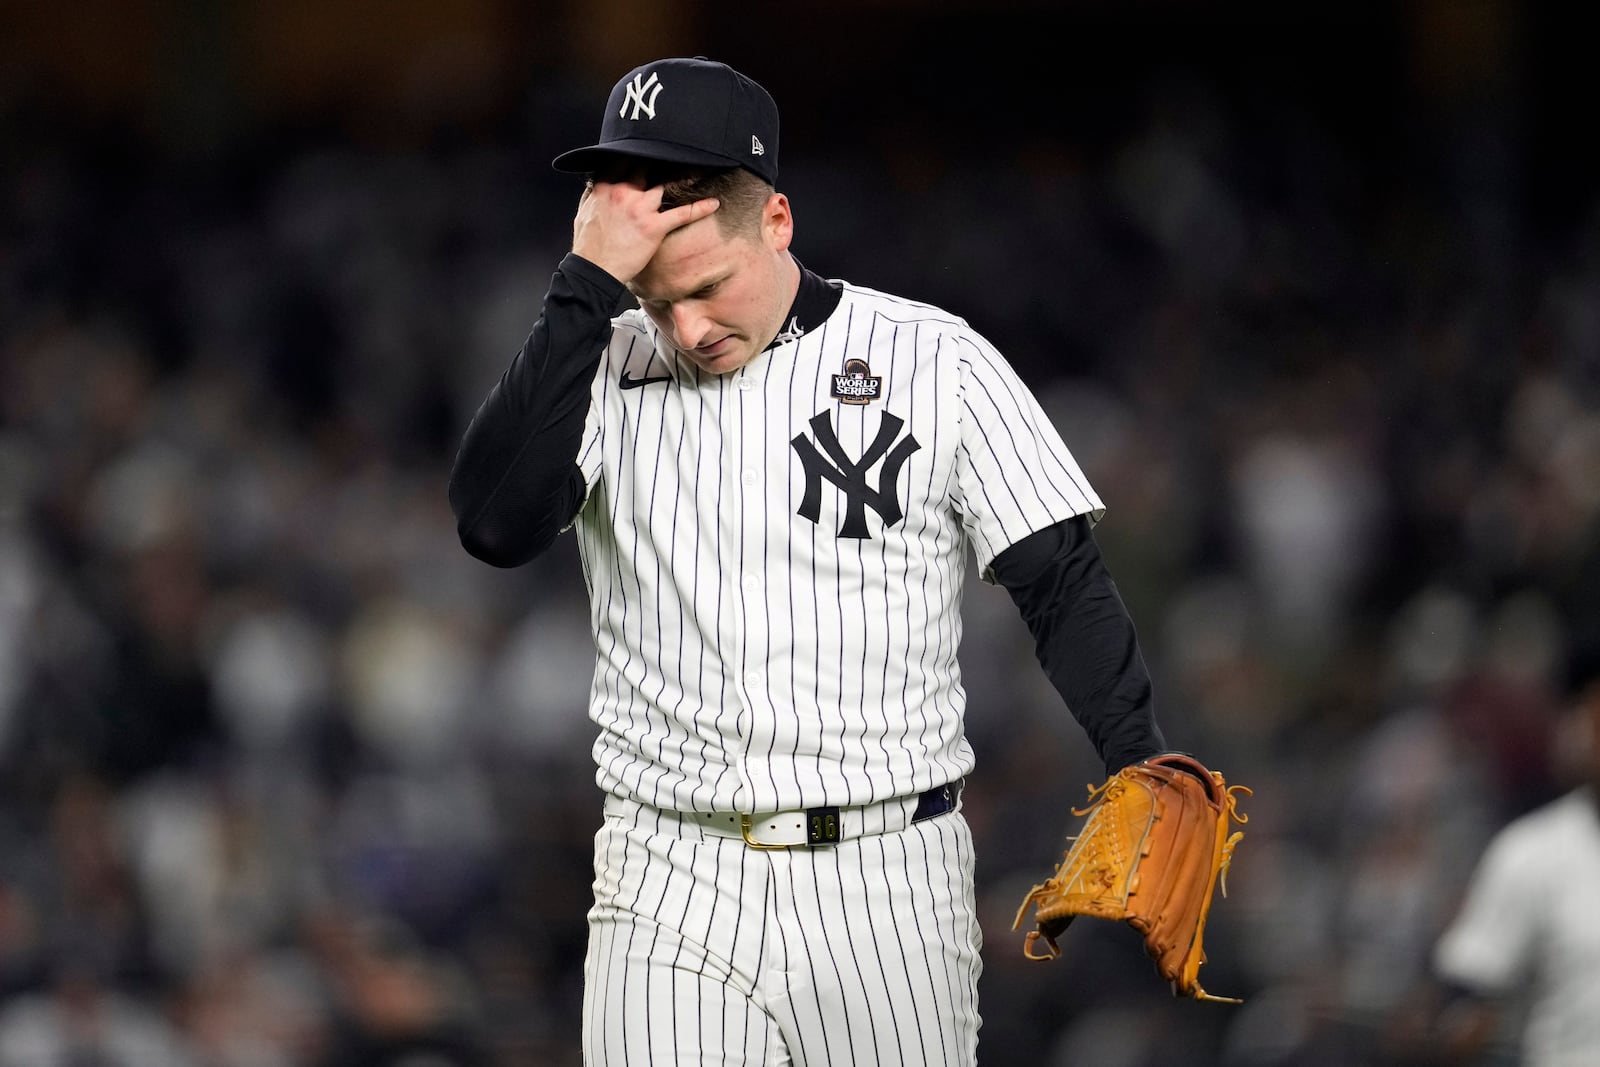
(857, 385)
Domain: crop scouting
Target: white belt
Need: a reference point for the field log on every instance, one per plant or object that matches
(809, 827)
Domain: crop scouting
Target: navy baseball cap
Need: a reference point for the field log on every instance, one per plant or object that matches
(694, 111)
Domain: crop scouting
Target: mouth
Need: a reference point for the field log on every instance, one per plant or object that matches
(716, 350)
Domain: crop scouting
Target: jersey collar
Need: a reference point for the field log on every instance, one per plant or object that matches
(814, 301)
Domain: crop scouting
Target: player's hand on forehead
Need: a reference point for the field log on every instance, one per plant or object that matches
(620, 221)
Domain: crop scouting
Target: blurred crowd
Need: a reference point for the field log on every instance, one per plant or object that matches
(288, 779)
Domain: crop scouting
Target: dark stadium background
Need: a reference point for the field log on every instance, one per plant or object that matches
(285, 778)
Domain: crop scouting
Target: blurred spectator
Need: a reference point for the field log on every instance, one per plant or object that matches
(80, 1021)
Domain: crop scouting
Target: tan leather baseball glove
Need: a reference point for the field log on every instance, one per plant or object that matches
(1151, 852)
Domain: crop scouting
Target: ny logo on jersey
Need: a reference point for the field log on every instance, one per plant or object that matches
(635, 96)
(851, 475)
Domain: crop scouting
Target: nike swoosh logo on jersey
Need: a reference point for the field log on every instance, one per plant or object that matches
(627, 381)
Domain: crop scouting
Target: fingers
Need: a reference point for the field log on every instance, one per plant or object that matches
(616, 227)
(627, 197)
(684, 214)
(635, 198)
(619, 225)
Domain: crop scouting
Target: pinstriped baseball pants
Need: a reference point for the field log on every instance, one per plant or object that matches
(705, 952)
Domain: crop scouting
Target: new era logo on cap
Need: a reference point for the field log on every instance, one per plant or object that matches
(693, 111)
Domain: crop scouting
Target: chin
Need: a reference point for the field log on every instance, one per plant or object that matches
(725, 363)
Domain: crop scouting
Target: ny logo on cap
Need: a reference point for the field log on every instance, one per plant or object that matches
(636, 90)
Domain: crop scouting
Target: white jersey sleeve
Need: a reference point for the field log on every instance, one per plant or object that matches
(1014, 473)
(1491, 941)
(1528, 930)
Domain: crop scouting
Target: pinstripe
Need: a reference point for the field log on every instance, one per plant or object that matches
(806, 1044)
(619, 592)
(759, 638)
(899, 636)
(788, 550)
(831, 860)
(708, 705)
(692, 556)
(618, 962)
(948, 942)
(968, 947)
(674, 972)
(672, 554)
(881, 984)
(648, 1015)
(906, 639)
(725, 989)
(1015, 408)
(813, 553)
(904, 867)
(975, 436)
(775, 956)
(942, 637)
(602, 949)
(625, 1023)
(718, 793)
(633, 601)
(834, 580)
(1037, 425)
(994, 418)
(899, 987)
(738, 633)
(597, 955)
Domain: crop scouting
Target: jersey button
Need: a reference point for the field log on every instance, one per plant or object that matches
(753, 677)
(747, 384)
(751, 477)
(751, 581)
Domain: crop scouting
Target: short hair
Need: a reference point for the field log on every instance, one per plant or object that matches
(742, 194)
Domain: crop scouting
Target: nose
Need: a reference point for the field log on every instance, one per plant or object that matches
(689, 327)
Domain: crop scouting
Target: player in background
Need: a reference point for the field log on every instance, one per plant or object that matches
(777, 480)
(1527, 937)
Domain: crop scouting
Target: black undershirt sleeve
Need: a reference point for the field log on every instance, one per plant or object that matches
(1084, 638)
(515, 483)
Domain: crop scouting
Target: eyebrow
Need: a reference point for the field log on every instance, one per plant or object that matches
(700, 286)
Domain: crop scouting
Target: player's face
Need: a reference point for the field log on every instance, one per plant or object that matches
(720, 298)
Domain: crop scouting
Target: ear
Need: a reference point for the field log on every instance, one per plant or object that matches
(777, 223)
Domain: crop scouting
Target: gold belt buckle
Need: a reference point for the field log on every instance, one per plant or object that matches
(744, 828)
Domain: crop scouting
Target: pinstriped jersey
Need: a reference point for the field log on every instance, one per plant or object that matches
(775, 556)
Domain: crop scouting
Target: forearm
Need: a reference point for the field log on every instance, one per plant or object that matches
(514, 484)
(1084, 639)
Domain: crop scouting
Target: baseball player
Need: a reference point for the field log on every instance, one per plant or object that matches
(776, 480)
(1528, 935)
